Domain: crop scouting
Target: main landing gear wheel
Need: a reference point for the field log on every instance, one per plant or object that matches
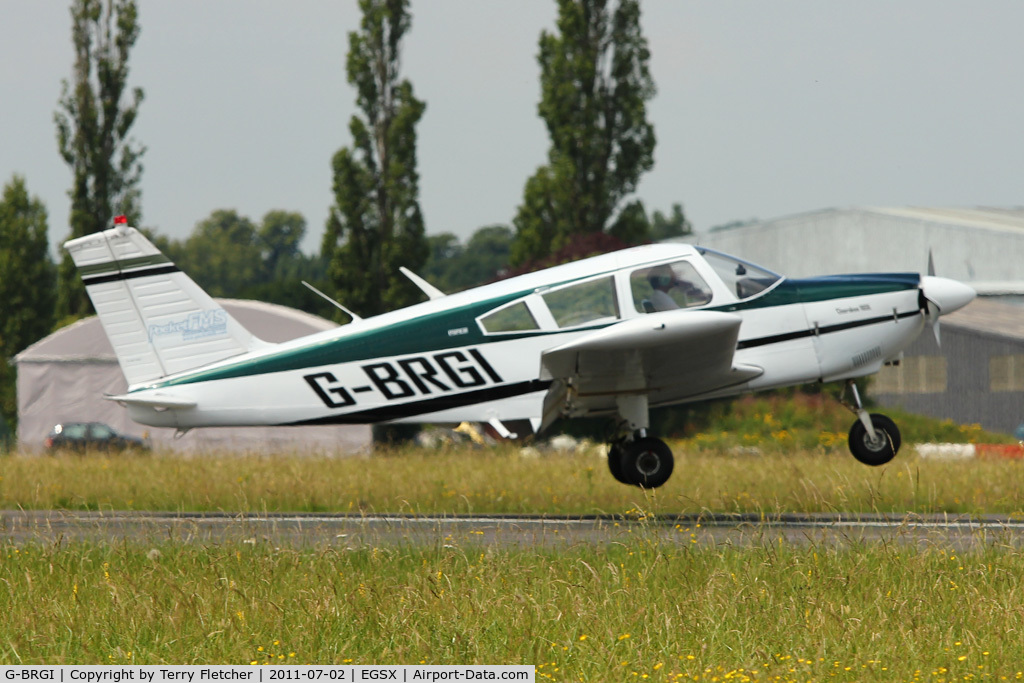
(615, 462)
(645, 462)
(880, 450)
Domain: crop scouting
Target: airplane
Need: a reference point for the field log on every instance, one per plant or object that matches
(612, 335)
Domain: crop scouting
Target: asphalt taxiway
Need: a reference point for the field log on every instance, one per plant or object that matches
(354, 530)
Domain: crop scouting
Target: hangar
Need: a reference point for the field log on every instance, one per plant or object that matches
(63, 377)
(977, 376)
(981, 247)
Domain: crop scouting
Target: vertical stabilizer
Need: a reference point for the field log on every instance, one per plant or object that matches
(158, 320)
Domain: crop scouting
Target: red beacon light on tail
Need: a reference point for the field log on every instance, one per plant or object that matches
(120, 220)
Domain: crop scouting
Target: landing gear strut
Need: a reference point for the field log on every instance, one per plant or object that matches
(874, 438)
(638, 459)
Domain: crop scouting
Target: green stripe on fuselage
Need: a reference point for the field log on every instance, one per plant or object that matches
(810, 290)
(430, 332)
(424, 334)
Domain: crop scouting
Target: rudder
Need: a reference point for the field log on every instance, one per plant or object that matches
(159, 321)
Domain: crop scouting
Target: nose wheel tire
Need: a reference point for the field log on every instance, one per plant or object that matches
(880, 450)
(645, 462)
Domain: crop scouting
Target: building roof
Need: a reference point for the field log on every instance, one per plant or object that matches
(985, 218)
(1011, 219)
(989, 317)
(979, 246)
(85, 341)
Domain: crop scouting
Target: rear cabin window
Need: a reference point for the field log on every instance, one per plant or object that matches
(668, 287)
(585, 303)
(514, 318)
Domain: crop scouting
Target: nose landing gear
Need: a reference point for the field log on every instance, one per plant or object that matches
(874, 438)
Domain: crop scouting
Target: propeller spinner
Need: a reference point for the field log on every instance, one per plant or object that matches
(941, 296)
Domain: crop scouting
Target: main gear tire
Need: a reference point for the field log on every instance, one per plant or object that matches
(615, 462)
(646, 462)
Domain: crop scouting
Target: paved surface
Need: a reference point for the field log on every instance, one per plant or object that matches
(354, 531)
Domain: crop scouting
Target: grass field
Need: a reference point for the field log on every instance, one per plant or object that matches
(762, 454)
(502, 480)
(617, 612)
(640, 609)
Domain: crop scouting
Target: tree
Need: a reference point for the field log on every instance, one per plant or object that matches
(443, 260)
(284, 266)
(595, 83)
(93, 125)
(664, 227)
(223, 254)
(580, 247)
(26, 283)
(376, 224)
(229, 255)
(453, 267)
(488, 249)
(279, 236)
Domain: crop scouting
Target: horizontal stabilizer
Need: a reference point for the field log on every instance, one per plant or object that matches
(156, 402)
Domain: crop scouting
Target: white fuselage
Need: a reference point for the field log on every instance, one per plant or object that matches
(499, 378)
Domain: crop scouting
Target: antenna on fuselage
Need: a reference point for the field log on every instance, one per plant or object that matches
(317, 291)
(430, 290)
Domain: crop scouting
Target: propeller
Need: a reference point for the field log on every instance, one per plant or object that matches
(932, 311)
(940, 296)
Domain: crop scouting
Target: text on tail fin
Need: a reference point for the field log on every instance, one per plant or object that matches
(159, 321)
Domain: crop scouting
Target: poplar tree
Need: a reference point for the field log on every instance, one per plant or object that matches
(376, 225)
(26, 283)
(94, 119)
(595, 84)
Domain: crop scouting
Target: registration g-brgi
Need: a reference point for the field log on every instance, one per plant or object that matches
(20, 674)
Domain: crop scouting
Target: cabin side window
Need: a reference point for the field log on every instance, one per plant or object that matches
(514, 318)
(584, 303)
(668, 287)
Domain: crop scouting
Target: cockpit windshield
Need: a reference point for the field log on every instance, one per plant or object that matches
(739, 276)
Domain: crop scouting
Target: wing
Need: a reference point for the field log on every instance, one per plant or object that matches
(668, 357)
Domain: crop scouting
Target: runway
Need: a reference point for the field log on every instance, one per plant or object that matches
(348, 531)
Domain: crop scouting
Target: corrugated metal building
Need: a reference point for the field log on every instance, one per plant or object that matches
(63, 378)
(982, 247)
(977, 376)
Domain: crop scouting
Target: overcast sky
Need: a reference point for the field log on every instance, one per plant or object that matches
(763, 108)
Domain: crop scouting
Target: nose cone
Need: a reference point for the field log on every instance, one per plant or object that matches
(948, 295)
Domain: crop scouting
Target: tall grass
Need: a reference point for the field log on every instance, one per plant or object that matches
(782, 421)
(639, 607)
(502, 480)
(615, 612)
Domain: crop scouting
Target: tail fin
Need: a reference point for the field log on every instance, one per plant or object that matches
(158, 320)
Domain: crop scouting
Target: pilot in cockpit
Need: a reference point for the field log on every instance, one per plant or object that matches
(662, 281)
